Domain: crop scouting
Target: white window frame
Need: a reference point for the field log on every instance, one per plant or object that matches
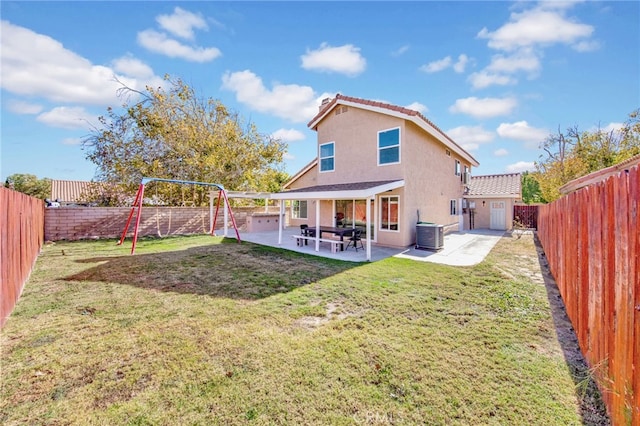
(320, 157)
(295, 207)
(453, 207)
(398, 146)
(381, 200)
(457, 168)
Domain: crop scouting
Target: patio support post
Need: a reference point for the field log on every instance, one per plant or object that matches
(369, 231)
(317, 225)
(280, 225)
(211, 212)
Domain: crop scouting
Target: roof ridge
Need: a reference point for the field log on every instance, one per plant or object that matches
(388, 106)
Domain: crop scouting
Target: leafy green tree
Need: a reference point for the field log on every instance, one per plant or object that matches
(30, 185)
(573, 154)
(531, 192)
(173, 134)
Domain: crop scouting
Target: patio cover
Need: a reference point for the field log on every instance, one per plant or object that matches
(340, 191)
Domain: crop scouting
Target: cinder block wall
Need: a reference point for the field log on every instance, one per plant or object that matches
(75, 223)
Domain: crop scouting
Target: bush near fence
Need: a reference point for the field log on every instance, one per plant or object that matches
(592, 243)
(22, 231)
(76, 223)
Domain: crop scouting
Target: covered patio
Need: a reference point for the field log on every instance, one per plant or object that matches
(366, 191)
(465, 248)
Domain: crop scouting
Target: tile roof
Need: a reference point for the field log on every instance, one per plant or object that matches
(505, 185)
(410, 113)
(69, 191)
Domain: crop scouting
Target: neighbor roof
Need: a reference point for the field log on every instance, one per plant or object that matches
(491, 186)
(396, 111)
(353, 191)
(599, 175)
(69, 191)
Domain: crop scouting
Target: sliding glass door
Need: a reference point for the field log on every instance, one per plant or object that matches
(354, 212)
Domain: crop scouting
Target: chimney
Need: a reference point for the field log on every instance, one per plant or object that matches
(324, 103)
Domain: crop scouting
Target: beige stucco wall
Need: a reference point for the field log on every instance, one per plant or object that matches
(428, 172)
(482, 217)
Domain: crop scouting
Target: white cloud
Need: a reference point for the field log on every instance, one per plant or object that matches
(470, 137)
(133, 67)
(402, 50)
(160, 43)
(522, 60)
(67, 118)
(485, 107)
(417, 106)
(521, 131)
(586, 46)
(342, 59)
(182, 23)
(71, 141)
(501, 152)
(288, 156)
(288, 135)
(538, 26)
(22, 107)
(289, 101)
(521, 166)
(482, 79)
(37, 65)
(613, 127)
(436, 66)
(460, 66)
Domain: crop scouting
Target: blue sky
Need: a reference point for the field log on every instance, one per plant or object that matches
(498, 77)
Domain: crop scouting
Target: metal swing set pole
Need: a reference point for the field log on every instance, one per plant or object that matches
(137, 203)
(215, 217)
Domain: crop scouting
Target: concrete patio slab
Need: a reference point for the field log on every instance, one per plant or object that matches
(460, 248)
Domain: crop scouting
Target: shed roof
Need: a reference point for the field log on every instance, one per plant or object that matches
(503, 185)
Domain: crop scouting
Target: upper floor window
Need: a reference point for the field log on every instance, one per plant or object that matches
(327, 157)
(457, 170)
(389, 146)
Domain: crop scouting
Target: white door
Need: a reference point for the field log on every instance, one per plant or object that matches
(498, 215)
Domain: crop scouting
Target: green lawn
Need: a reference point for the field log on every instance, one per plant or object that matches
(200, 330)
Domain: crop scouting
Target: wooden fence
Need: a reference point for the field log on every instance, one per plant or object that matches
(590, 238)
(22, 236)
(526, 215)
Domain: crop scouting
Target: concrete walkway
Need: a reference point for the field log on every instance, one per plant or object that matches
(460, 248)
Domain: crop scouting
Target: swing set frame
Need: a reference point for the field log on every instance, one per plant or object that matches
(137, 205)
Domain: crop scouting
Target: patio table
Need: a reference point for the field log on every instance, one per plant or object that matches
(341, 232)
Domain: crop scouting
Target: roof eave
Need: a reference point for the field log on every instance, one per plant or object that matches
(351, 194)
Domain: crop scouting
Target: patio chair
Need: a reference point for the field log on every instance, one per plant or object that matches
(355, 239)
(304, 230)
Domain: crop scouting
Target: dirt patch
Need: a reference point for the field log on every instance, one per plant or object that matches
(531, 264)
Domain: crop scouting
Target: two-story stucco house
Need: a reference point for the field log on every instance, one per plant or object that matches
(382, 168)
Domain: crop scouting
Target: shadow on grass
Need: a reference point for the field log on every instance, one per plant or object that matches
(227, 269)
(592, 408)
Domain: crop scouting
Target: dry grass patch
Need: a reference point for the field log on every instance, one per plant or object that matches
(200, 330)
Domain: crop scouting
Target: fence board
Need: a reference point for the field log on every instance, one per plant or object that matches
(22, 230)
(592, 243)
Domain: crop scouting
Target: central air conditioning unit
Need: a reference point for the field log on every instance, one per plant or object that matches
(429, 236)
